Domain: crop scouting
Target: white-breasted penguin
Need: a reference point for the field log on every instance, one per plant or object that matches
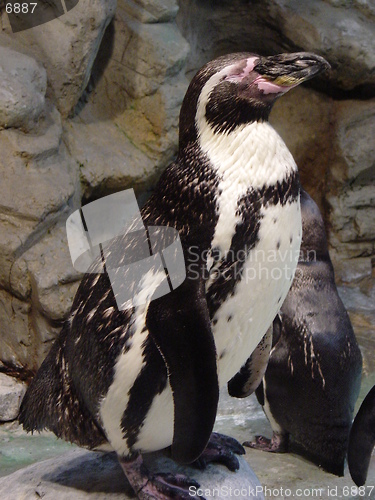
(313, 375)
(148, 377)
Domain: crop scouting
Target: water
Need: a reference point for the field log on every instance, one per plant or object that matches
(18, 449)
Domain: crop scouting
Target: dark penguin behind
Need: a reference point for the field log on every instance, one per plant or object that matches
(362, 440)
(313, 376)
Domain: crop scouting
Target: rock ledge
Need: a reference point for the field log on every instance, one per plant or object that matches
(83, 474)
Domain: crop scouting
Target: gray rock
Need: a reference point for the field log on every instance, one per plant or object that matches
(16, 346)
(38, 186)
(352, 270)
(302, 118)
(54, 280)
(155, 52)
(67, 47)
(11, 394)
(86, 474)
(352, 197)
(337, 30)
(131, 113)
(37, 183)
(22, 91)
(354, 133)
(45, 140)
(44, 278)
(216, 28)
(97, 143)
(151, 123)
(151, 11)
(44, 189)
(153, 75)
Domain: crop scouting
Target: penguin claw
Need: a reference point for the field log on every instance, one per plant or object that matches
(278, 443)
(165, 486)
(160, 486)
(221, 449)
(227, 441)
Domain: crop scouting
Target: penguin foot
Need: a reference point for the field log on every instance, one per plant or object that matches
(278, 443)
(161, 486)
(221, 449)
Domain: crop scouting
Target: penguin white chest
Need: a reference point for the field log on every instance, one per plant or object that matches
(253, 160)
(266, 276)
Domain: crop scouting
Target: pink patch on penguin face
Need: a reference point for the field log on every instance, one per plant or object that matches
(237, 77)
(268, 87)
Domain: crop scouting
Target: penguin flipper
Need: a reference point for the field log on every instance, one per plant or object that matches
(251, 373)
(362, 440)
(179, 325)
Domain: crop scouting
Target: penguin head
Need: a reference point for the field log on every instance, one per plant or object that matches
(237, 89)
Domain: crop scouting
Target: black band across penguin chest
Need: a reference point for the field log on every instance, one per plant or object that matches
(227, 270)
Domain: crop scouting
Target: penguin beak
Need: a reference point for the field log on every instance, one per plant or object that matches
(282, 72)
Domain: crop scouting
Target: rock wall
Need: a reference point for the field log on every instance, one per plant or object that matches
(89, 105)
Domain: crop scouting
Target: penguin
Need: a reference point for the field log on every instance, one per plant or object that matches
(362, 440)
(147, 378)
(313, 376)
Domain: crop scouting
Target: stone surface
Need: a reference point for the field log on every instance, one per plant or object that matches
(38, 186)
(359, 301)
(108, 160)
(130, 110)
(351, 195)
(343, 32)
(37, 189)
(19, 449)
(151, 122)
(45, 187)
(44, 271)
(38, 182)
(154, 53)
(123, 131)
(52, 274)
(216, 28)
(340, 31)
(22, 92)
(306, 130)
(355, 128)
(94, 475)
(67, 47)
(151, 11)
(11, 394)
(16, 346)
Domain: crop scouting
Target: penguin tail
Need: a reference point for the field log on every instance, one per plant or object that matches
(39, 406)
(51, 403)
